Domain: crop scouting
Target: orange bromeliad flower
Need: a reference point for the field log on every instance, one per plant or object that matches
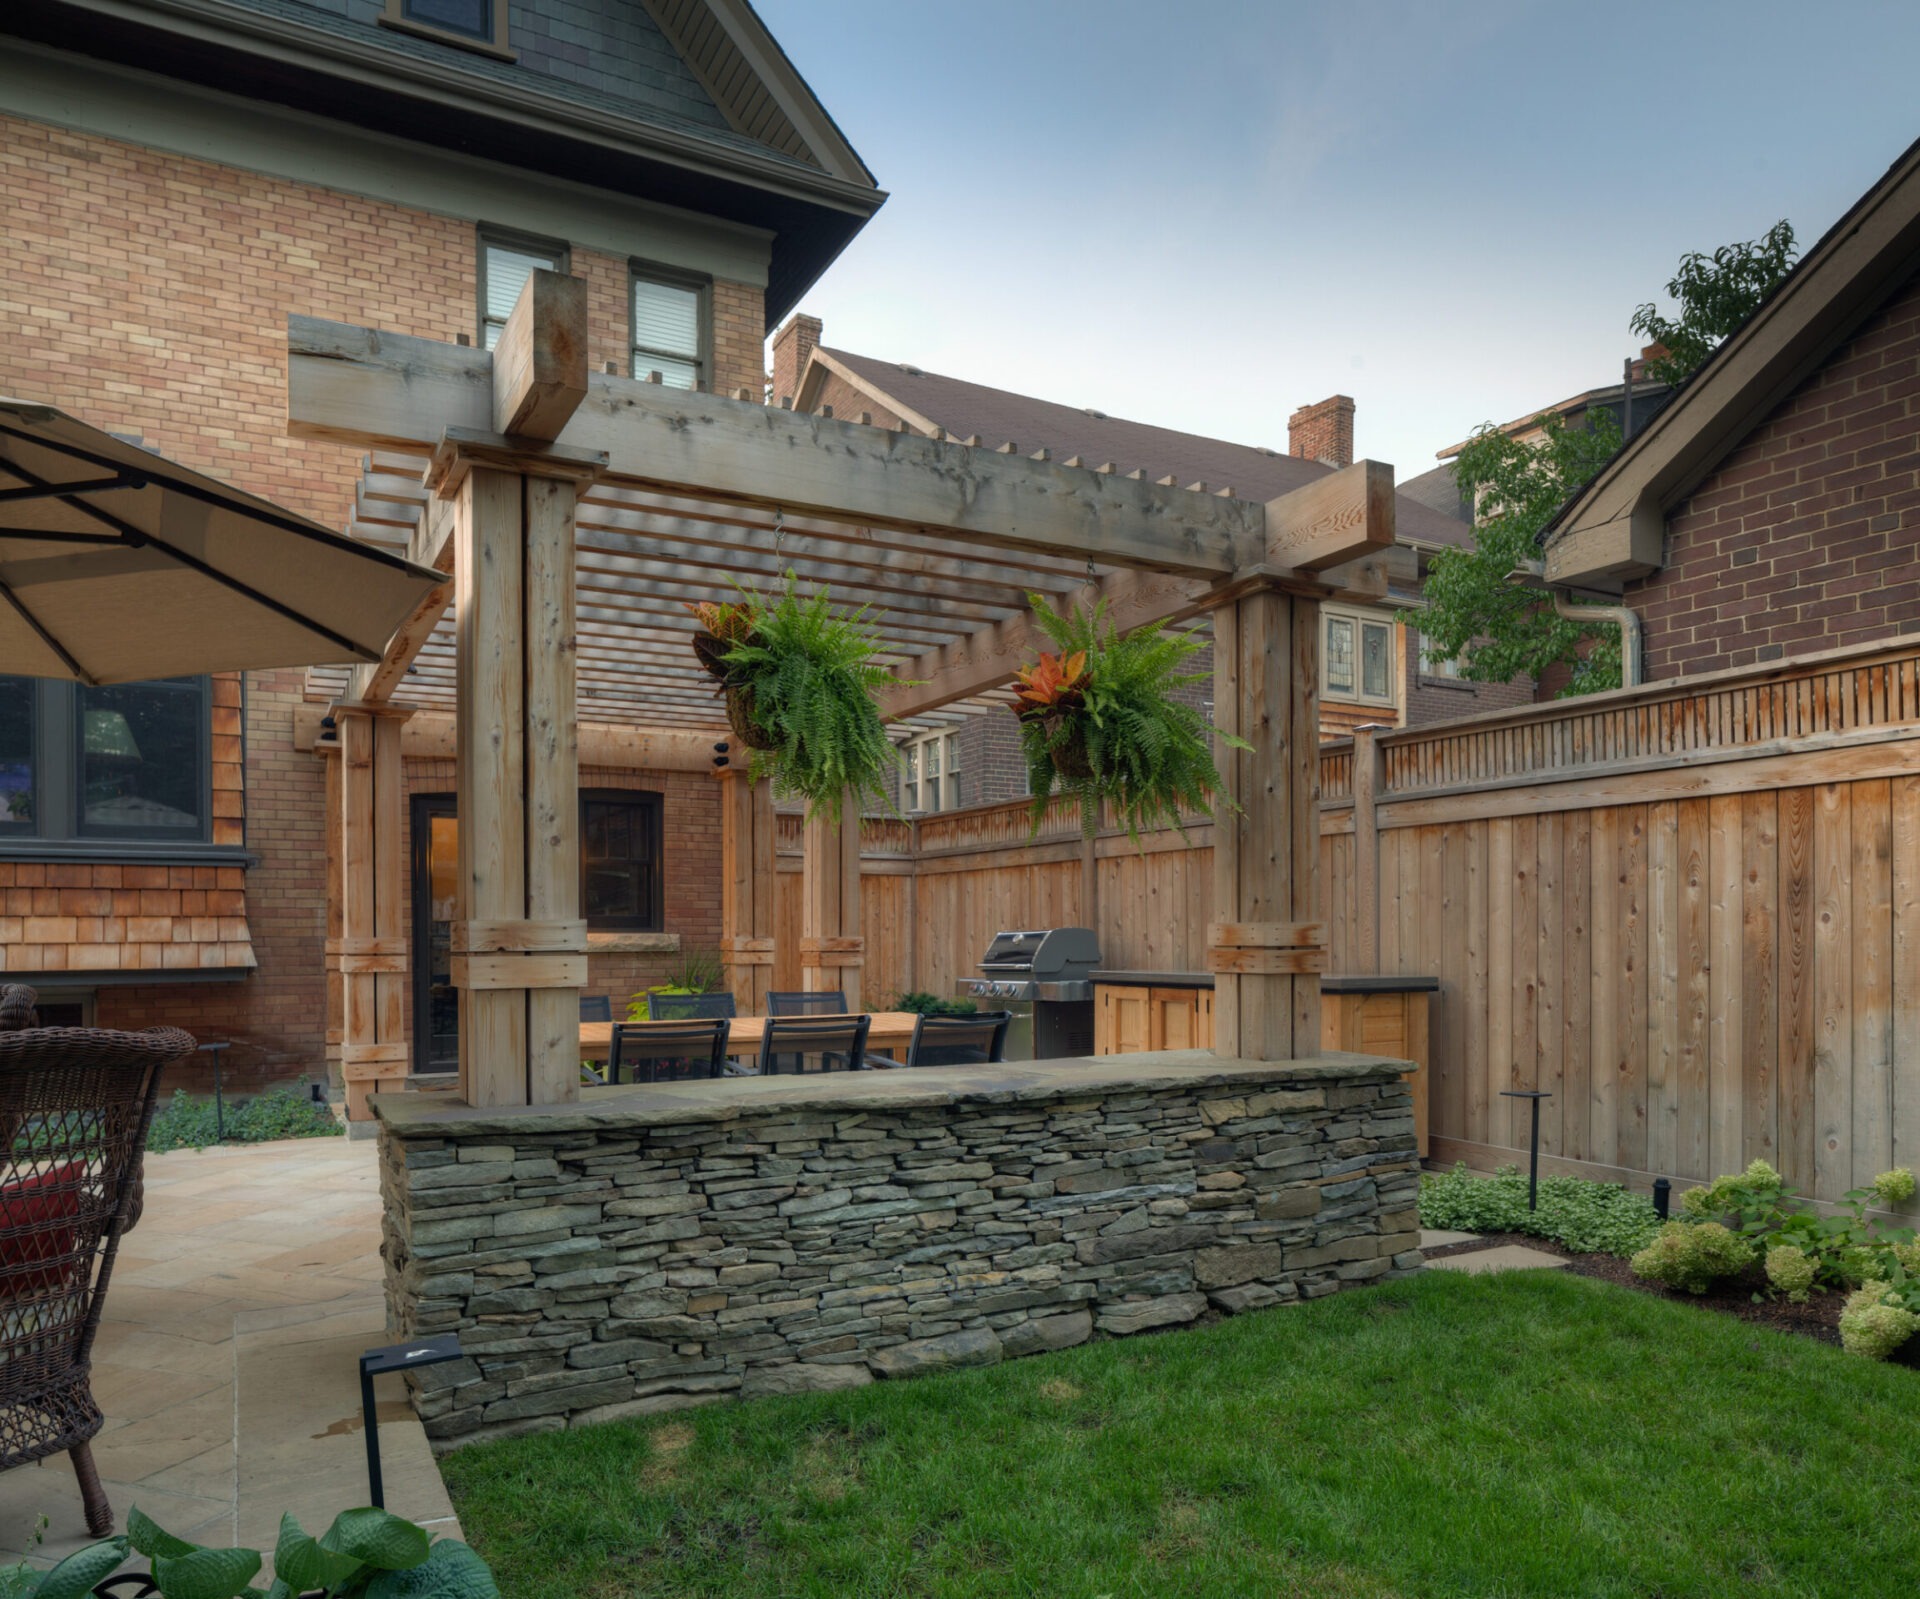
(1053, 681)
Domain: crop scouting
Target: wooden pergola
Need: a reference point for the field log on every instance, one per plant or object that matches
(577, 515)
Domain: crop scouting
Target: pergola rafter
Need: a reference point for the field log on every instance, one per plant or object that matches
(577, 541)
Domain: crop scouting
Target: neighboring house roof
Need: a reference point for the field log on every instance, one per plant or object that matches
(928, 400)
(689, 103)
(1439, 490)
(1615, 527)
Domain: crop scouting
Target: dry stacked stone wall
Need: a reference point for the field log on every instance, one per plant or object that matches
(663, 1251)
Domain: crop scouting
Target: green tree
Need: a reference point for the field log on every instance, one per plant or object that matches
(1715, 294)
(1498, 630)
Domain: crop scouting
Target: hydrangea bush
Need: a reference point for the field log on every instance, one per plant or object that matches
(1735, 1219)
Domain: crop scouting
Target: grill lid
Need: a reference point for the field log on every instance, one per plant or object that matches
(1058, 953)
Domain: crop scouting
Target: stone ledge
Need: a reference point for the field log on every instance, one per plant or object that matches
(415, 1115)
(633, 943)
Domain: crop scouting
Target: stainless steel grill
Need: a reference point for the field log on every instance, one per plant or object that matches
(1044, 977)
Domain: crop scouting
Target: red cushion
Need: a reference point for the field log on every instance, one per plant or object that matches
(52, 1195)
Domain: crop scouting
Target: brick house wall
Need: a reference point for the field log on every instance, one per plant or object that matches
(148, 293)
(1805, 537)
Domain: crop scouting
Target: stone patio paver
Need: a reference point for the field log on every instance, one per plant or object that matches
(1507, 1257)
(227, 1358)
(1441, 1237)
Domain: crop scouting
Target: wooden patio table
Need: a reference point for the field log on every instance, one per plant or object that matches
(889, 1033)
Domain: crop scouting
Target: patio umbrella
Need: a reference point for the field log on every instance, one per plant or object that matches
(117, 564)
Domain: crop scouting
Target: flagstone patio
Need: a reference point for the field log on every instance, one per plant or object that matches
(226, 1361)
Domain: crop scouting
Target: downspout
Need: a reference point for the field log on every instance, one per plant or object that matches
(1533, 575)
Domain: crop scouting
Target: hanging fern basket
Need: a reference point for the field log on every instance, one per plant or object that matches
(711, 651)
(741, 719)
(1067, 746)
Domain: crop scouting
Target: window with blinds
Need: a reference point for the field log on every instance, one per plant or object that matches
(669, 331)
(505, 266)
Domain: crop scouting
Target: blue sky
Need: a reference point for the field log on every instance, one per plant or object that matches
(1205, 215)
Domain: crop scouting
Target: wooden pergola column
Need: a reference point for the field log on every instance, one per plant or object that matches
(370, 950)
(329, 753)
(832, 945)
(1267, 946)
(747, 887)
(519, 943)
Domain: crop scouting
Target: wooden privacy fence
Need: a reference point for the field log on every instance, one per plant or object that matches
(1691, 912)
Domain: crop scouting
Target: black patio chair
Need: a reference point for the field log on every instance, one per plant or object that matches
(838, 1043)
(957, 1040)
(654, 1052)
(807, 1002)
(596, 1008)
(684, 1007)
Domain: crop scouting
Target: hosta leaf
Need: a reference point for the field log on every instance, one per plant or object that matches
(376, 1538)
(304, 1563)
(75, 1576)
(450, 1571)
(148, 1538)
(206, 1573)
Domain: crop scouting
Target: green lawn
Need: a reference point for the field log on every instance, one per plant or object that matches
(1535, 1433)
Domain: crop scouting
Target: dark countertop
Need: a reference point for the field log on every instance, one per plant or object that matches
(1334, 983)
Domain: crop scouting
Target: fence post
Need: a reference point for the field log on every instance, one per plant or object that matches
(1366, 848)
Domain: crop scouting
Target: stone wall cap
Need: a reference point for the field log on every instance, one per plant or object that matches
(439, 1115)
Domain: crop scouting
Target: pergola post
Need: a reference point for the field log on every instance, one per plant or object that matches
(329, 752)
(371, 949)
(1266, 946)
(519, 944)
(832, 946)
(747, 887)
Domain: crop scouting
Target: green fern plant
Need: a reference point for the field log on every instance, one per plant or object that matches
(808, 672)
(1119, 731)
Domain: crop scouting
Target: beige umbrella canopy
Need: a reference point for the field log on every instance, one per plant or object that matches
(117, 565)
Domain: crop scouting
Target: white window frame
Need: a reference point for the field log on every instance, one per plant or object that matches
(1447, 670)
(1334, 615)
(641, 360)
(943, 745)
(553, 251)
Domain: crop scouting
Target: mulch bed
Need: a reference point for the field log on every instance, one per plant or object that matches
(1818, 1318)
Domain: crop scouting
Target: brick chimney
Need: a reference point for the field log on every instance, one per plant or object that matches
(1323, 432)
(793, 345)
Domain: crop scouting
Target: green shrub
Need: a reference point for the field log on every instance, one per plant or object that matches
(1582, 1216)
(921, 1003)
(1791, 1270)
(188, 1122)
(1690, 1255)
(1876, 1321)
(1847, 1247)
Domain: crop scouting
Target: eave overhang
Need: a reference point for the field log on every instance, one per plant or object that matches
(813, 214)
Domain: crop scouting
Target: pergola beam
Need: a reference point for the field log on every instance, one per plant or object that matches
(364, 388)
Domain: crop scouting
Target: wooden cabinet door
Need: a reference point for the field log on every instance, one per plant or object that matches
(1123, 1021)
(1176, 1018)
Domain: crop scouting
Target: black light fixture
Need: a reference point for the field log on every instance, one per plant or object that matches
(1662, 1197)
(1533, 1170)
(374, 1363)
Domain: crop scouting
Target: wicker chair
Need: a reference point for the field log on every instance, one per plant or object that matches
(75, 1103)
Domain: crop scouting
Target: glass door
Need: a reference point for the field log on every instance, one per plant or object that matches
(436, 1002)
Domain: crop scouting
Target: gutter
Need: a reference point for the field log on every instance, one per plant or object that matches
(1533, 575)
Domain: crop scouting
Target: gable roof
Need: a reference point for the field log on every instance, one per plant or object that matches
(687, 103)
(1615, 527)
(929, 400)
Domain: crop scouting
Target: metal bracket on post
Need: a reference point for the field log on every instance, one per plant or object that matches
(374, 1363)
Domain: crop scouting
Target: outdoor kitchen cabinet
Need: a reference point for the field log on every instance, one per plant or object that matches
(1130, 1018)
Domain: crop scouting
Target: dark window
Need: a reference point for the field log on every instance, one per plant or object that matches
(620, 877)
(122, 763)
(472, 19)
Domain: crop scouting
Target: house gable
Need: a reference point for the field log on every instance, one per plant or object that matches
(1807, 535)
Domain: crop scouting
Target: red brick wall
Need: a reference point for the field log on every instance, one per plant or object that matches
(1323, 432)
(148, 293)
(1805, 537)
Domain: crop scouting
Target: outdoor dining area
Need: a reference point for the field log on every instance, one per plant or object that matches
(701, 1035)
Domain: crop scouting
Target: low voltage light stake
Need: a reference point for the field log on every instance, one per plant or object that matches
(1533, 1169)
(374, 1363)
